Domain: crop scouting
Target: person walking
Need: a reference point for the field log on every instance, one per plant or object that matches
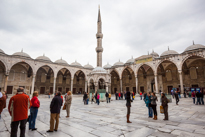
(141, 95)
(18, 108)
(165, 105)
(93, 96)
(193, 96)
(2, 103)
(116, 95)
(198, 101)
(49, 95)
(202, 97)
(55, 108)
(145, 94)
(107, 96)
(34, 111)
(148, 105)
(128, 104)
(177, 97)
(179, 93)
(133, 95)
(122, 95)
(98, 98)
(154, 105)
(68, 101)
(119, 95)
(85, 98)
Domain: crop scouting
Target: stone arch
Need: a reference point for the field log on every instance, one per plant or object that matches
(138, 67)
(116, 72)
(36, 70)
(24, 61)
(91, 78)
(5, 66)
(126, 68)
(100, 77)
(76, 70)
(164, 61)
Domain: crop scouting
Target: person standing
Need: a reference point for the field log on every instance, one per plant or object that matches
(154, 105)
(165, 105)
(202, 97)
(198, 101)
(49, 95)
(98, 98)
(116, 95)
(107, 96)
(125, 94)
(193, 96)
(119, 95)
(141, 95)
(85, 98)
(148, 105)
(145, 94)
(2, 103)
(68, 101)
(177, 97)
(93, 96)
(96, 94)
(122, 95)
(55, 108)
(34, 111)
(18, 109)
(128, 104)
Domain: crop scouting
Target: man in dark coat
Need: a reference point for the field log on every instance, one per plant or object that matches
(55, 107)
(116, 95)
(177, 97)
(122, 95)
(128, 104)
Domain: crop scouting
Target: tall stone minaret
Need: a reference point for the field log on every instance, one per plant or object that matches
(99, 37)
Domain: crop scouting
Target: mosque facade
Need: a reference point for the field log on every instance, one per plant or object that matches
(150, 73)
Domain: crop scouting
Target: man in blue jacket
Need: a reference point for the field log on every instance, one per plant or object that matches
(55, 107)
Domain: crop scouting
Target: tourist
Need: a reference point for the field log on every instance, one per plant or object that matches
(107, 96)
(119, 95)
(173, 93)
(85, 98)
(4, 95)
(184, 93)
(177, 97)
(198, 101)
(49, 95)
(18, 109)
(35, 104)
(68, 101)
(116, 95)
(98, 98)
(93, 96)
(133, 95)
(202, 97)
(96, 94)
(145, 94)
(193, 96)
(148, 105)
(128, 104)
(2, 103)
(55, 108)
(154, 105)
(122, 95)
(141, 95)
(165, 105)
(179, 93)
(125, 94)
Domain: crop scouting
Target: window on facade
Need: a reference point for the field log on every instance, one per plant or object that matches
(60, 79)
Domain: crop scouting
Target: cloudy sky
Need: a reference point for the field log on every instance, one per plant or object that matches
(67, 28)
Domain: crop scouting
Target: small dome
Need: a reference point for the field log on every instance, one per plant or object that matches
(154, 54)
(43, 58)
(118, 63)
(88, 66)
(132, 60)
(22, 54)
(194, 47)
(76, 64)
(61, 61)
(1, 52)
(108, 66)
(99, 70)
(169, 52)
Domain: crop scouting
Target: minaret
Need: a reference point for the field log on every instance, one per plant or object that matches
(99, 37)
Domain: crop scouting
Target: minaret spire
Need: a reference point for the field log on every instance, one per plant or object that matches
(99, 37)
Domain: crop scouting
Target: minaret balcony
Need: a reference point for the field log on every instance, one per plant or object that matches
(99, 35)
(99, 49)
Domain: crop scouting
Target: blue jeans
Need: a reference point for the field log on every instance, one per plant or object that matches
(98, 102)
(150, 112)
(141, 97)
(119, 98)
(109, 100)
(87, 101)
(32, 119)
(179, 95)
(202, 100)
(198, 101)
(194, 100)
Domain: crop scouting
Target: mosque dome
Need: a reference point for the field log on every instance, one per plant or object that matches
(1, 52)
(61, 61)
(43, 58)
(154, 54)
(99, 70)
(76, 64)
(88, 66)
(194, 47)
(132, 60)
(22, 54)
(118, 63)
(108, 66)
(169, 52)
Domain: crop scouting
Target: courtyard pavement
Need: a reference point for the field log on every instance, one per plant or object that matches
(109, 120)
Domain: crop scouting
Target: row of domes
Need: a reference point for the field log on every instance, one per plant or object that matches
(107, 66)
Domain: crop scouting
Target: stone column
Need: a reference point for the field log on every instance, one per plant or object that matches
(156, 83)
(86, 86)
(137, 85)
(181, 81)
(121, 85)
(33, 85)
(54, 85)
(107, 87)
(96, 87)
(71, 85)
(5, 82)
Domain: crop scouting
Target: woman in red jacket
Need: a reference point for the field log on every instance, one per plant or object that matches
(34, 111)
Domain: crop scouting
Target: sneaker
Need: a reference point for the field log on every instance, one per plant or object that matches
(34, 129)
(55, 130)
(49, 131)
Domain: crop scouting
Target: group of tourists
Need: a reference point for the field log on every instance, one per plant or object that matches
(199, 95)
(94, 98)
(121, 94)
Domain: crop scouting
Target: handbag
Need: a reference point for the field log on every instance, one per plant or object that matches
(133, 96)
(161, 109)
(64, 107)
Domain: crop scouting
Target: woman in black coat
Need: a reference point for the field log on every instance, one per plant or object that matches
(128, 104)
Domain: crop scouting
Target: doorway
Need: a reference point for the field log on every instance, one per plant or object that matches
(51, 90)
(142, 89)
(127, 89)
(42, 90)
(9, 89)
(169, 89)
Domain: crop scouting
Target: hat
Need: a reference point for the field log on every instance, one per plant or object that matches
(1, 95)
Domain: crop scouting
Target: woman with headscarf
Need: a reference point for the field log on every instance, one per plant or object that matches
(128, 104)
(68, 101)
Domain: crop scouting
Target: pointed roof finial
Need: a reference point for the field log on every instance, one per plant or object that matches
(152, 50)
(193, 42)
(99, 6)
(119, 60)
(88, 63)
(99, 16)
(22, 50)
(75, 61)
(61, 58)
(132, 57)
(168, 47)
(148, 52)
